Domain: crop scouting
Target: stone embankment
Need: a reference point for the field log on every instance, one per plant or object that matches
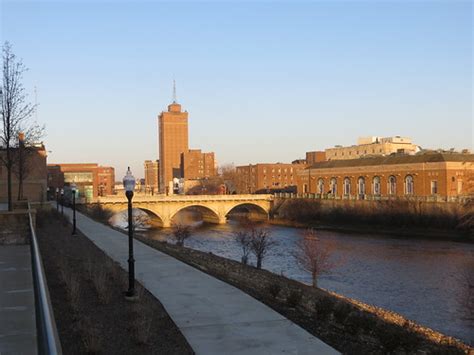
(347, 325)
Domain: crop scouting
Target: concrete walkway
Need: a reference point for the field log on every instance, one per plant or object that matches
(17, 301)
(215, 317)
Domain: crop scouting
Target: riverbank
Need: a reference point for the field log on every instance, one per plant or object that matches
(401, 218)
(86, 289)
(347, 325)
(421, 233)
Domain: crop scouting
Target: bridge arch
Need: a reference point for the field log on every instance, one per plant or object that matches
(154, 219)
(254, 210)
(208, 213)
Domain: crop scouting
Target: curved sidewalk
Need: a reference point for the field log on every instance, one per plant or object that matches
(215, 317)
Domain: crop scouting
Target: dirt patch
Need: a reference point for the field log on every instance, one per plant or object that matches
(86, 289)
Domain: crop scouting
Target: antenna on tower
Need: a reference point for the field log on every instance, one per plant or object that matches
(174, 91)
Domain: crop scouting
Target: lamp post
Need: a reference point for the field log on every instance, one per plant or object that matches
(57, 199)
(129, 185)
(62, 201)
(73, 190)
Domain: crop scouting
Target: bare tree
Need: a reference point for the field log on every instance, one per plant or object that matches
(140, 219)
(260, 244)
(15, 112)
(229, 177)
(242, 238)
(181, 232)
(313, 256)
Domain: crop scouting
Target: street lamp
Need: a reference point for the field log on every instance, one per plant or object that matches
(73, 190)
(62, 201)
(57, 199)
(129, 185)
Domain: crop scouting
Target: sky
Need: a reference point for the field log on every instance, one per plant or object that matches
(262, 81)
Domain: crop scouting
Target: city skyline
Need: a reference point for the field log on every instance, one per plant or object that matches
(327, 78)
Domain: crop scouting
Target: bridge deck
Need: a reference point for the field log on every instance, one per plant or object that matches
(215, 318)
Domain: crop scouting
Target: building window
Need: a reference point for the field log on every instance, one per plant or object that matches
(305, 188)
(434, 187)
(409, 188)
(376, 183)
(392, 185)
(347, 186)
(333, 186)
(361, 187)
(320, 186)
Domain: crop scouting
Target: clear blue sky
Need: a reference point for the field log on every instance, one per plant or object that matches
(262, 81)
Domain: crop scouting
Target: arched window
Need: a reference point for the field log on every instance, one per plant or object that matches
(409, 185)
(320, 186)
(361, 187)
(347, 186)
(376, 185)
(333, 186)
(392, 185)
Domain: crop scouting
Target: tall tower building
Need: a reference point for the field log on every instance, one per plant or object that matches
(173, 141)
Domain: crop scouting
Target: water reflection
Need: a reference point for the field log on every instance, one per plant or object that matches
(423, 280)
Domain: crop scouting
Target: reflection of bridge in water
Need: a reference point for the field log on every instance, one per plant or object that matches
(214, 208)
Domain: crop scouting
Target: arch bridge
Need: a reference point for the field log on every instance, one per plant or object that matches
(214, 208)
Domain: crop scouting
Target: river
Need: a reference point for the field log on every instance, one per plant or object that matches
(424, 280)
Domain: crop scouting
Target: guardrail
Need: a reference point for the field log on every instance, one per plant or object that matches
(47, 334)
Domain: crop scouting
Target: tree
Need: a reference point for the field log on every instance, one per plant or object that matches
(181, 232)
(313, 256)
(229, 178)
(260, 244)
(139, 219)
(242, 238)
(15, 113)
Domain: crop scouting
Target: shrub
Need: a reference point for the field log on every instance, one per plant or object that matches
(323, 307)
(73, 291)
(99, 280)
(100, 213)
(294, 298)
(341, 310)
(90, 337)
(274, 289)
(359, 320)
(181, 232)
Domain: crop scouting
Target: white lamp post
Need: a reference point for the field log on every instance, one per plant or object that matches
(129, 186)
(73, 190)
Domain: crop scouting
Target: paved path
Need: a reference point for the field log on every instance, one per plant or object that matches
(215, 317)
(17, 301)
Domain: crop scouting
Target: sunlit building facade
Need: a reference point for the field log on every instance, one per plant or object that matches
(435, 175)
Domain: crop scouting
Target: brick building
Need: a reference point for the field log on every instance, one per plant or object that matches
(314, 157)
(152, 172)
(173, 141)
(35, 172)
(372, 146)
(91, 179)
(198, 165)
(277, 176)
(423, 175)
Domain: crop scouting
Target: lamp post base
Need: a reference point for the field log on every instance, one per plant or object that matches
(130, 297)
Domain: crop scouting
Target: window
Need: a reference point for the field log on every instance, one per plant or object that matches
(361, 186)
(409, 185)
(305, 188)
(320, 186)
(434, 187)
(376, 185)
(347, 186)
(333, 186)
(392, 185)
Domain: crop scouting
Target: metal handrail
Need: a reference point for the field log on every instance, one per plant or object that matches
(48, 340)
